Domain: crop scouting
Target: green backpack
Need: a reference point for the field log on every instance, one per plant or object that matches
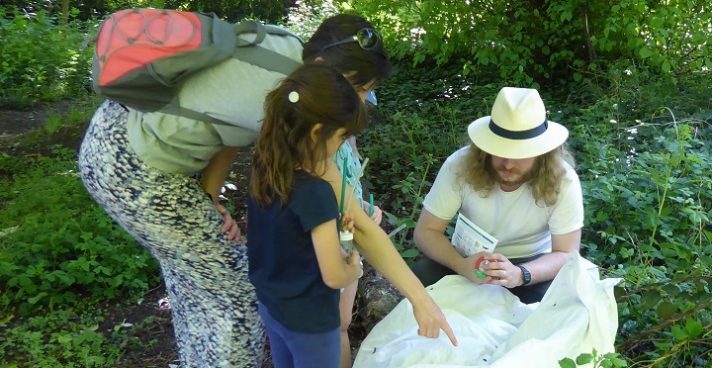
(143, 55)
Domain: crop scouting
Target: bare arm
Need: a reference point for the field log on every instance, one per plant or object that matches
(429, 236)
(215, 173)
(375, 245)
(335, 271)
(546, 267)
(213, 179)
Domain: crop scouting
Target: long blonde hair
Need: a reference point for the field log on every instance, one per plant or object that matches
(319, 94)
(544, 178)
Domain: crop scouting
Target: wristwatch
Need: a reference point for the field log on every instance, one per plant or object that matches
(526, 276)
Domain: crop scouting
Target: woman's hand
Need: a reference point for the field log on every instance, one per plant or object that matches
(503, 272)
(431, 320)
(229, 227)
(355, 260)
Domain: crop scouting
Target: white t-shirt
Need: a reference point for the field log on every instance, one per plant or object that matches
(233, 91)
(522, 227)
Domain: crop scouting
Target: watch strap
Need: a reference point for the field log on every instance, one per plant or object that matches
(526, 275)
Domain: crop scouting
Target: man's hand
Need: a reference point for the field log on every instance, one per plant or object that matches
(466, 267)
(502, 272)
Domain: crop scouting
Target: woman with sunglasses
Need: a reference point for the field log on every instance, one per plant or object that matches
(351, 45)
(151, 173)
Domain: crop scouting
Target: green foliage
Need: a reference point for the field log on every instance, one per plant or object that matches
(57, 247)
(304, 18)
(658, 239)
(83, 336)
(78, 114)
(40, 60)
(271, 11)
(654, 170)
(526, 41)
(61, 338)
(608, 360)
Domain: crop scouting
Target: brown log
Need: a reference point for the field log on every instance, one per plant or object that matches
(376, 297)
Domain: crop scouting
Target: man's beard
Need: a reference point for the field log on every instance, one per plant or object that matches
(522, 177)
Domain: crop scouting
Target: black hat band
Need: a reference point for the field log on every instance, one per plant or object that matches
(518, 134)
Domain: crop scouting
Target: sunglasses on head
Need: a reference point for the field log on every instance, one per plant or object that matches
(367, 38)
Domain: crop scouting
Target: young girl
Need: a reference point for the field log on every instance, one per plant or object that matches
(295, 261)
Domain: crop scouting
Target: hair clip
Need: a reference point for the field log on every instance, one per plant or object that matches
(293, 96)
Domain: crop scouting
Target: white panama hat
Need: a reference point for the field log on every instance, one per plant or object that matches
(517, 127)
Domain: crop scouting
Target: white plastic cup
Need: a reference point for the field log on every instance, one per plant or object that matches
(346, 238)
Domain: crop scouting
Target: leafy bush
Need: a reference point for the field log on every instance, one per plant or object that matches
(306, 15)
(57, 247)
(272, 11)
(658, 178)
(41, 60)
(543, 41)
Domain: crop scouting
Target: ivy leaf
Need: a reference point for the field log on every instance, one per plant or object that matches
(649, 299)
(666, 66)
(36, 298)
(693, 327)
(666, 310)
(645, 53)
(584, 358)
(410, 253)
(678, 333)
(64, 338)
(567, 363)
(615, 359)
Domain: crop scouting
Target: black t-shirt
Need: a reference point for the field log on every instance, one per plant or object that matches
(283, 263)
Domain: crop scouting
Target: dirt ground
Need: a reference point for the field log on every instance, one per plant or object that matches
(151, 341)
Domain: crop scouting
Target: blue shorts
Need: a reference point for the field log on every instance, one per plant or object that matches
(294, 349)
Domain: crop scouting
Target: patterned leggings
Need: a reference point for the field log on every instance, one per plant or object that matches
(214, 305)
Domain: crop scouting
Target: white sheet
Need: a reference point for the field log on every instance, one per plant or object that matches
(495, 329)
